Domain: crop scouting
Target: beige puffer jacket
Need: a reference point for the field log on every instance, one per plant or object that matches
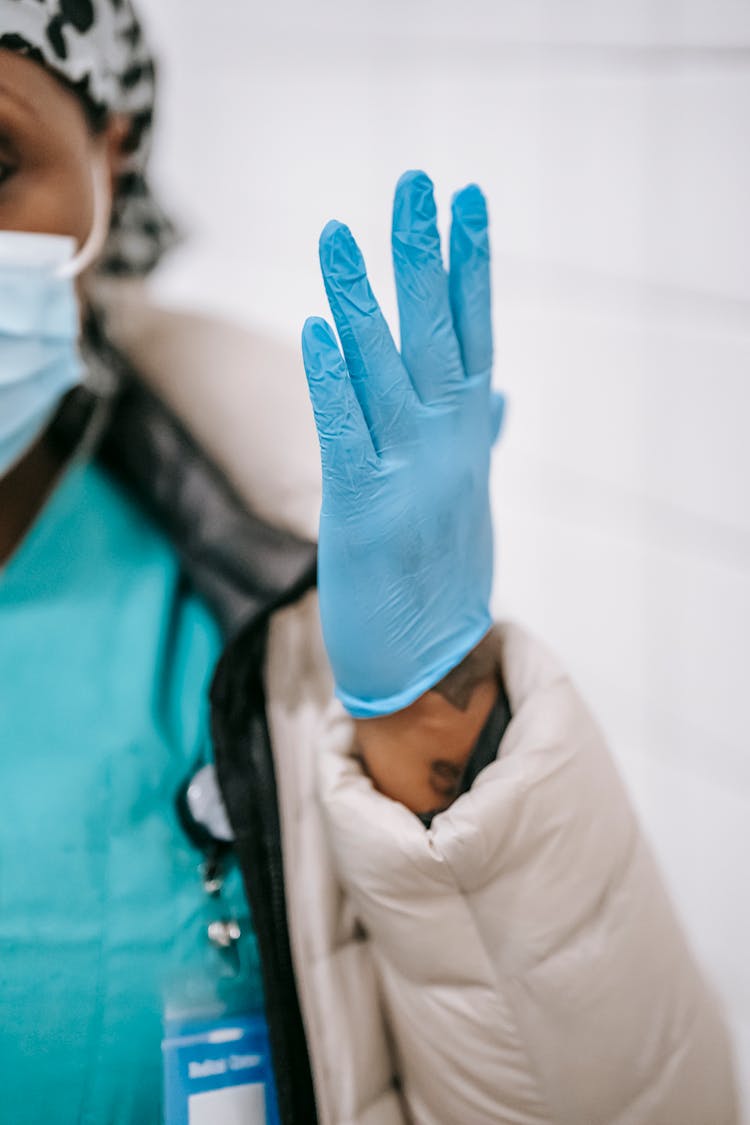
(519, 963)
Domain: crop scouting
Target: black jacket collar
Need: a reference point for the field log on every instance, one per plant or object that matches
(244, 567)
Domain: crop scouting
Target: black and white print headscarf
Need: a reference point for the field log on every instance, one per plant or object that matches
(98, 48)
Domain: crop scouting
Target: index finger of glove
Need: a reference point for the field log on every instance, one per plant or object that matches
(378, 376)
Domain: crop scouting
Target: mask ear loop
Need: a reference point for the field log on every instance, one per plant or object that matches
(94, 244)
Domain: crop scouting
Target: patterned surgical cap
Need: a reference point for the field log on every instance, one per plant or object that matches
(98, 48)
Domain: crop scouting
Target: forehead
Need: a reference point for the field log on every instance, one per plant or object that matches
(27, 88)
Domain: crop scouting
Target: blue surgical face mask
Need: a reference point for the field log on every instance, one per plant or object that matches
(39, 325)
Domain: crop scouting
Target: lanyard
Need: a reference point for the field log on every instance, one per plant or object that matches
(217, 1058)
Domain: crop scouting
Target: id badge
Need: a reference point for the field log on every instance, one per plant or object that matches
(218, 1071)
(216, 1050)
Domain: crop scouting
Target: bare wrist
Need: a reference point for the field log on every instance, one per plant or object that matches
(418, 756)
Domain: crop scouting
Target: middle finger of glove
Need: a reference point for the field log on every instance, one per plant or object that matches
(429, 346)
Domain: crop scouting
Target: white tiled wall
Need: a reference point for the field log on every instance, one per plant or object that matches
(612, 139)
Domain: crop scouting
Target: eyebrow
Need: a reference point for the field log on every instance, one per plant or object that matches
(19, 100)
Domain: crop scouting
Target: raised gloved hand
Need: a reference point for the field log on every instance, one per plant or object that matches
(405, 549)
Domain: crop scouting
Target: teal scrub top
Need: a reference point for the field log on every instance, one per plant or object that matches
(105, 662)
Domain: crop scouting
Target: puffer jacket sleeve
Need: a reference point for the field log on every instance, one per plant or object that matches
(531, 965)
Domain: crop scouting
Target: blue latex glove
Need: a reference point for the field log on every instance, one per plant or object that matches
(405, 550)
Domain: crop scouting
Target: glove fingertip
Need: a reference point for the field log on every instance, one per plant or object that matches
(414, 176)
(470, 205)
(414, 209)
(338, 251)
(331, 229)
(319, 345)
(317, 331)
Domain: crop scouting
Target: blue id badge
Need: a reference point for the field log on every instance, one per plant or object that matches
(218, 1071)
(216, 1050)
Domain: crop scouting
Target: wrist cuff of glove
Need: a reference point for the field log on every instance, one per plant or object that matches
(360, 707)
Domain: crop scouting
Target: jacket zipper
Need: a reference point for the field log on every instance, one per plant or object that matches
(246, 774)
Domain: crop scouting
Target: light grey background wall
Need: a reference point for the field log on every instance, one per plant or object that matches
(612, 139)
